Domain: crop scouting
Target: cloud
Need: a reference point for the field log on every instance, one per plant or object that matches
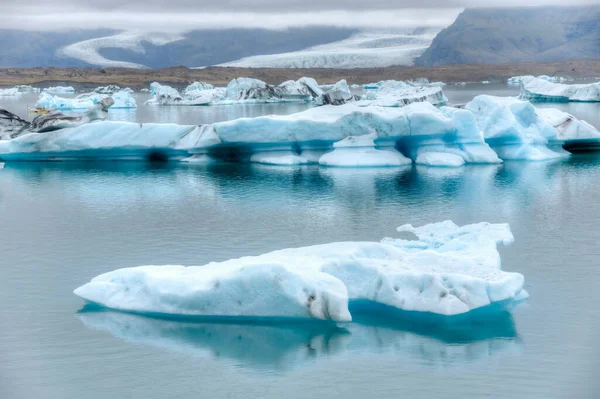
(185, 15)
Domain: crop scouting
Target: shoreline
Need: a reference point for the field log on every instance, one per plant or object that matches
(182, 76)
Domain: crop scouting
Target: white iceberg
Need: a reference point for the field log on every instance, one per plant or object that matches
(27, 89)
(515, 129)
(516, 80)
(392, 93)
(122, 99)
(450, 270)
(60, 90)
(569, 128)
(9, 92)
(536, 89)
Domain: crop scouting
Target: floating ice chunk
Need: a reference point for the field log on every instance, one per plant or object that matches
(569, 128)
(59, 89)
(338, 94)
(197, 86)
(392, 93)
(27, 89)
(439, 159)
(9, 92)
(10, 124)
(536, 89)
(110, 89)
(122, 99)
(360, 151)
(451, 270)
(251, 287)
(516, 80)
(513, 128)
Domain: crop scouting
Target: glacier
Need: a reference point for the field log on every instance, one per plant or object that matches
(449, 270)
(122, 99)
(372, 48)
(536, 89)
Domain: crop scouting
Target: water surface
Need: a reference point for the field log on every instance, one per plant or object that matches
(63, 223)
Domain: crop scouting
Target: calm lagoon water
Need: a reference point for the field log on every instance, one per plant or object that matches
(63, 223)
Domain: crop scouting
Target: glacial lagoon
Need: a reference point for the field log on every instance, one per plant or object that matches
(63, 223)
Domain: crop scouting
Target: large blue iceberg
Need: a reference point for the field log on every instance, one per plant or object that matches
(489, 130)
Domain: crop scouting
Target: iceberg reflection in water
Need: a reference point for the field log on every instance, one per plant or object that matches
(285, 344)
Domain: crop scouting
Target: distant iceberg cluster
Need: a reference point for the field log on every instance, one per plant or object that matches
(122, 99)
(248, 91)
(59, 90)
(304, 90)
(539, 89)
(392, 93)
(449, 270)
(516, 80)
(488, 130)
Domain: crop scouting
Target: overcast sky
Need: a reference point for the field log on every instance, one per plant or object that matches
(184, 15)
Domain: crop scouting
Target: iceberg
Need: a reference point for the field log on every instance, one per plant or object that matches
(291, 139)
(392, 93)
(56, 120)
(246, 91)
(516, 80)
(536, 89)
(27, 89)
(338, 94)
(513, 128)
(111, 89)
(517, 130)
(449, 270)
(122, 99)
(59, 90)
(9, 92)
(10, 124)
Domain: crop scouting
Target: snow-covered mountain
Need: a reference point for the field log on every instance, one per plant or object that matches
(366, 49)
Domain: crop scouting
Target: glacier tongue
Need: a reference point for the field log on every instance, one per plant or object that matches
(450, 270)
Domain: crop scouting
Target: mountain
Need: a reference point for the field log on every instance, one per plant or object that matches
(539, 34)
(109, 48)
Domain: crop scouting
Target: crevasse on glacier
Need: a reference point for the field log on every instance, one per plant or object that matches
(488, 130)
(449, 270)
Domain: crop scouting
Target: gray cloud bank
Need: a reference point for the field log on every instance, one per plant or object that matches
(186, 15)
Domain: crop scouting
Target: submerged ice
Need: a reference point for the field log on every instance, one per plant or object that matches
(449, 270)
